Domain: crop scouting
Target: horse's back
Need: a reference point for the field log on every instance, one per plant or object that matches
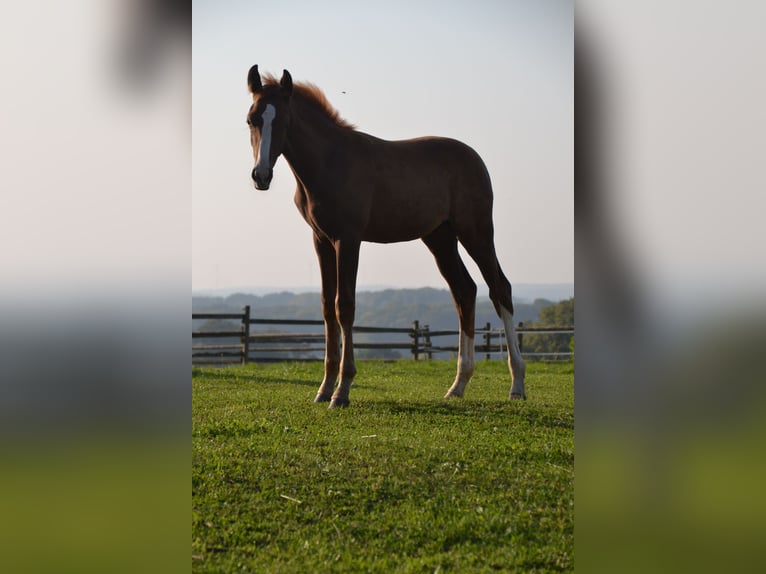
(422, 164)
(417, 184)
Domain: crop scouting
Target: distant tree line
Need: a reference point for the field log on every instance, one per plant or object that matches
(559, 314)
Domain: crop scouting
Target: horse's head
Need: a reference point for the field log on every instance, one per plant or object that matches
(268, 119)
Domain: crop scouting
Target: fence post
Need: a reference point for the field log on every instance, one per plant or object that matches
(416, 341)
(520, 336)
(245, 334)
(427, 342)
(487, 340)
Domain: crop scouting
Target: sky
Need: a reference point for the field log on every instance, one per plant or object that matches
(497, 75)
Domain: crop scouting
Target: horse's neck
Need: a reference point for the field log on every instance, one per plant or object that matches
(311, 137)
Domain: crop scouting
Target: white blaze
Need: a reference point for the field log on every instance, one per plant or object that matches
(263, 153)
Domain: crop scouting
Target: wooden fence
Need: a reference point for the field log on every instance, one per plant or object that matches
(241, 345)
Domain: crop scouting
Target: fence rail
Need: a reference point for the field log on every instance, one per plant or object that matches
(489, 341)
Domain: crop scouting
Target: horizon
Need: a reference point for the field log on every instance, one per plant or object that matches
(555, 291)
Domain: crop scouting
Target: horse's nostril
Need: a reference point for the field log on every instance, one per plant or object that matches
(253, 175)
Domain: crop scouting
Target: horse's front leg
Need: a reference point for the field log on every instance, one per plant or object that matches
(329, 269)
(347, 255)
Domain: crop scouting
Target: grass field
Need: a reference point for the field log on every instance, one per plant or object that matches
(402, 481)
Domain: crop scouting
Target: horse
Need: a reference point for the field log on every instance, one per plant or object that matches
(354, 187)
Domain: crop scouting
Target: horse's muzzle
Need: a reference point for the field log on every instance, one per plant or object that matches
(262, 181)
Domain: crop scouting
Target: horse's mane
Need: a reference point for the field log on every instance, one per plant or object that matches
(311, 93)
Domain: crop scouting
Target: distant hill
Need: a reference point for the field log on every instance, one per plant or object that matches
(522, 292)
(389, 307)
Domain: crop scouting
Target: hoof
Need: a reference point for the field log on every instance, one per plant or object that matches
(518, 397)
(320, 398)
(451, 395)
(339, 403)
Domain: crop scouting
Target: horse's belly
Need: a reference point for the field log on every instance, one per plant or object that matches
(384, 236)
(404, 215)
(394, 226)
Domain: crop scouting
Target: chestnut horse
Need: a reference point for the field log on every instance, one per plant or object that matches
(354, 187)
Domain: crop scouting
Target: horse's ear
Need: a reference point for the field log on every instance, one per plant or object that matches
(287, 83)
(254, 80)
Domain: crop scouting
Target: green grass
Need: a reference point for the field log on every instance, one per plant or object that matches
(401, 481)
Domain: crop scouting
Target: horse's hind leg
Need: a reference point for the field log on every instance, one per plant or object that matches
(516, 363)
(482, 250)
(443, 244)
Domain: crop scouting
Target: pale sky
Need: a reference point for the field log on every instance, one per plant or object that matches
(497, 75)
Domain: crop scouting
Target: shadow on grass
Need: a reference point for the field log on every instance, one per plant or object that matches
(238, 376)
(285, 381)
(214, 373)
(470, 410)
(443, 407)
